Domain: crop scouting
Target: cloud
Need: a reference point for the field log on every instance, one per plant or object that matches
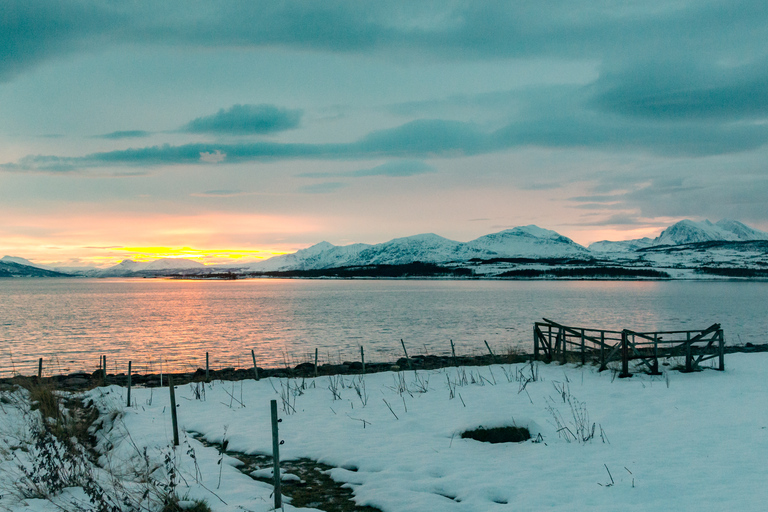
(322, 188)
(127, 134)
(395, 169)
(219, 193)
(32, 31)
(549, 126)
(426, 137)
(246, 120)
(674, 90)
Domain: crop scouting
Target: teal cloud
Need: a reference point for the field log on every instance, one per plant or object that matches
(246, 120)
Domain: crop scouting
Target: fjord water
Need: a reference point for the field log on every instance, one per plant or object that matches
(171, 324)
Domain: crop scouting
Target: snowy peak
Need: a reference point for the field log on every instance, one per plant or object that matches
(173, 263)
(527, 241)
(21, 261)
(130, 267)
(622, 246)
(428, 247)
(690, 232)
(742, 231)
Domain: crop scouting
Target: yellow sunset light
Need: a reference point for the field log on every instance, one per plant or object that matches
(206, 256)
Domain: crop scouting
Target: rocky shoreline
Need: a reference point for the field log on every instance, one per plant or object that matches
(83, 380)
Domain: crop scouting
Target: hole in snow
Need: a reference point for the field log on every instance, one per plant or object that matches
(498, 434)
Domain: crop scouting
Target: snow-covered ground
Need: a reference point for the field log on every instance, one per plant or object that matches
(678, 441)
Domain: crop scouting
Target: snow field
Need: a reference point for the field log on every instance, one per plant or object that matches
(675, 442)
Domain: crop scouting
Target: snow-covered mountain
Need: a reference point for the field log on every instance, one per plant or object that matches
(685, 250)
(525, 242)
(687, 232)
(520, 242)
(607, 246)
(21, 261)
(130, 267)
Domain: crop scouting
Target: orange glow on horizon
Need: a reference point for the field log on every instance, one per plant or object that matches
(88, 240)
(205, 256)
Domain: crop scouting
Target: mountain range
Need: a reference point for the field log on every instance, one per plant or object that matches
(687, 249)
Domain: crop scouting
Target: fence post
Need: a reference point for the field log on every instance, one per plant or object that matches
(255, 369)
(407, 359)
(493, 356)
(583, 353)
(174, 421)
(721, 343)
(535, 342)
(624, 354)
(315, 362)
(276, 455)
(453, 354)
(104, 367)
(207, 378)
(656, 355)
(362, 358)
(129, 385)
(688, 356)
(561, 336)
(40, 369)
(602, 350)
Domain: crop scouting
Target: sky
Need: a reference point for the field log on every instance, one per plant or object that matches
(233, 130)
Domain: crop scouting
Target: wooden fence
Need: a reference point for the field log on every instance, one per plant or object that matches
(557, 342)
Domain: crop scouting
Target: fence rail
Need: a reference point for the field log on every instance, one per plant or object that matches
(556, 342)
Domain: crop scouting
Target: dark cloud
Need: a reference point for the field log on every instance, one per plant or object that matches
(126, 134)
(246, 120)
(36, 29)
(685, 91)
(32, 31)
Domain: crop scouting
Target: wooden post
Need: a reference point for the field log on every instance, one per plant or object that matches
(561, 337)
(624, 354)
(721, 347)
(583, 353)
(493, 357)
(362, 358)
(129, 385)
(255, 369)
(602, 350)
(656, 355)
(552, 347)
(174, 421)
(407, 359)
(315, 362)
(207, 375)
(688, 356)
(453, 353)
(40, 369)
(104, 368)
(276, 455)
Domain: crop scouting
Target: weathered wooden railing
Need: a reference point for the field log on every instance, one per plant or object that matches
(557, 342)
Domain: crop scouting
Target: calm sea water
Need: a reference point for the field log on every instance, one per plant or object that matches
(170, 324)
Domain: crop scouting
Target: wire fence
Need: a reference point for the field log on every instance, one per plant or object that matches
(117, 362)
